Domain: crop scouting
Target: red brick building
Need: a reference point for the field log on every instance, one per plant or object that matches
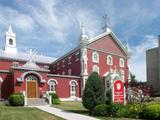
(35, 75)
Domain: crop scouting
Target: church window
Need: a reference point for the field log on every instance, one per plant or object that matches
(95, 68)
(57, 66)
(121, 62)
(122, 75)
(15, 64)
(52, 85)
(69, 60)
(109, 60)
(73, 88)
(95, 57)
(63, 73)
(69, 72)
(63, 63)
(10, 41)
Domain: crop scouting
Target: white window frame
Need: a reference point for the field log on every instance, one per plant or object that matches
(73, 93)
(95, 68)
(55, 85)
(109, 60)
(69, 72)
(121, 62)
(63, 61)
(77, 56)
(15, 64)
(93, 57)
(122, 75)
(69, 60)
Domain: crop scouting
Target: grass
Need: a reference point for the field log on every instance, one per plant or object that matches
(24, 113)
(77, 107)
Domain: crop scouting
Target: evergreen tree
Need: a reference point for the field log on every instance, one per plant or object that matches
(94, 92)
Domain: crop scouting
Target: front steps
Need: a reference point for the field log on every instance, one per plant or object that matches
(36, 101)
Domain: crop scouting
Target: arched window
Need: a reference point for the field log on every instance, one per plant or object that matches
(95, 68)
(95, 57)
(109, 60)
(10, 41)
(69, 72)
(73, 84)
(52, 86)
(122, 75)
(121, 62)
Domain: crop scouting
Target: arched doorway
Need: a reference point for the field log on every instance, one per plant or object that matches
(32, 86)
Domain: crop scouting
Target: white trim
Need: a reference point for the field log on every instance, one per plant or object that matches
(108, 62)
(93, 59)
(1, 80)
(52, 80)
(73, 81)
(121, 62)
(94, 68)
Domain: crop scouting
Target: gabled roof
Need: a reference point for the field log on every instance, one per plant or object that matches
(109, 32)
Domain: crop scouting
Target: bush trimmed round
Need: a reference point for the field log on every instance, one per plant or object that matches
(55, 99)
(152, 111)
(101, 110)
(16, 99)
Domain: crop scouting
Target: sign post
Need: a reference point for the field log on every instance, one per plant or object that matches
(118, 92)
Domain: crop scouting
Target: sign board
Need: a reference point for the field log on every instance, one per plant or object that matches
(118, 92)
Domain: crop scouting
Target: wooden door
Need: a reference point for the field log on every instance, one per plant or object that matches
(31, 89)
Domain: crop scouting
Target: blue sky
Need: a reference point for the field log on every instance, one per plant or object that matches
(52, 27)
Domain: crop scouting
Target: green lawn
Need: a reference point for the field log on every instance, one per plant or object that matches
(76, 106)
(24, 113)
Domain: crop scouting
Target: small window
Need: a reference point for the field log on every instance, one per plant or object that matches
(15, 64)
(31, 78)
(109, 60)
(63, 63)
(95, 57)
(121, 62)
(69, 72)
(46, 67)
(96, 69)
(63, 73)
(10, 41)
(122, 75)
(52, 86)
(73, 89)
(57, 66)
(77, 56)
(69, 60)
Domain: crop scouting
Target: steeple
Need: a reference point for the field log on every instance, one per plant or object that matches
(10, 41)
(84, 37)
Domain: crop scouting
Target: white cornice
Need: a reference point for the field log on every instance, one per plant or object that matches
(4, 71)
(32, 69)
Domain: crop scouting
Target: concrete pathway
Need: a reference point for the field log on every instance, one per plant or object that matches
(64, 114)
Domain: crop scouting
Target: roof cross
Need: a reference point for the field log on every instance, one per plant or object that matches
(106, 21)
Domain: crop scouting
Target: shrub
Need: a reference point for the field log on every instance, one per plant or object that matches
(16, 99)
(93, 93)
(55, 99)
(122, 112)
(152, 111)
(101, 110)
(135, 110)
(114, 108)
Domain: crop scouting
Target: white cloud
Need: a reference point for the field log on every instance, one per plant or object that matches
(138, 58)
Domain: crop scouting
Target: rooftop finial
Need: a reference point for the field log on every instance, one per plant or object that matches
(84, 36)
(106, 21)
(10, 29)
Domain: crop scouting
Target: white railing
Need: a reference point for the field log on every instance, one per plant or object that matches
(48, 97)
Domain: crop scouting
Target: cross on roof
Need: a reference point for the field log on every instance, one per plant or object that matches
(106, 20)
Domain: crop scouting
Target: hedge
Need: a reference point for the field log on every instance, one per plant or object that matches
(16, 99)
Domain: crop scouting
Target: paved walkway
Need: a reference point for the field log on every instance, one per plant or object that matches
(64, 114)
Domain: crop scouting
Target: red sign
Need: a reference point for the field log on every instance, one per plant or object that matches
(118, 92)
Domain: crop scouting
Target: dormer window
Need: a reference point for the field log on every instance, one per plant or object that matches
(10, 41)
(95, 57)
(57, 66)
(109, 60)
(15, 64)
(121, 62)
(63, 65)
(69, 72)
(46, 67)
(69, 60)
(77, 56)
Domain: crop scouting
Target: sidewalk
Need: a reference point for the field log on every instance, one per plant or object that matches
(64, 114)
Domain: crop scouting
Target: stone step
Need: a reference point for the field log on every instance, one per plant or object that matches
(36, 101)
